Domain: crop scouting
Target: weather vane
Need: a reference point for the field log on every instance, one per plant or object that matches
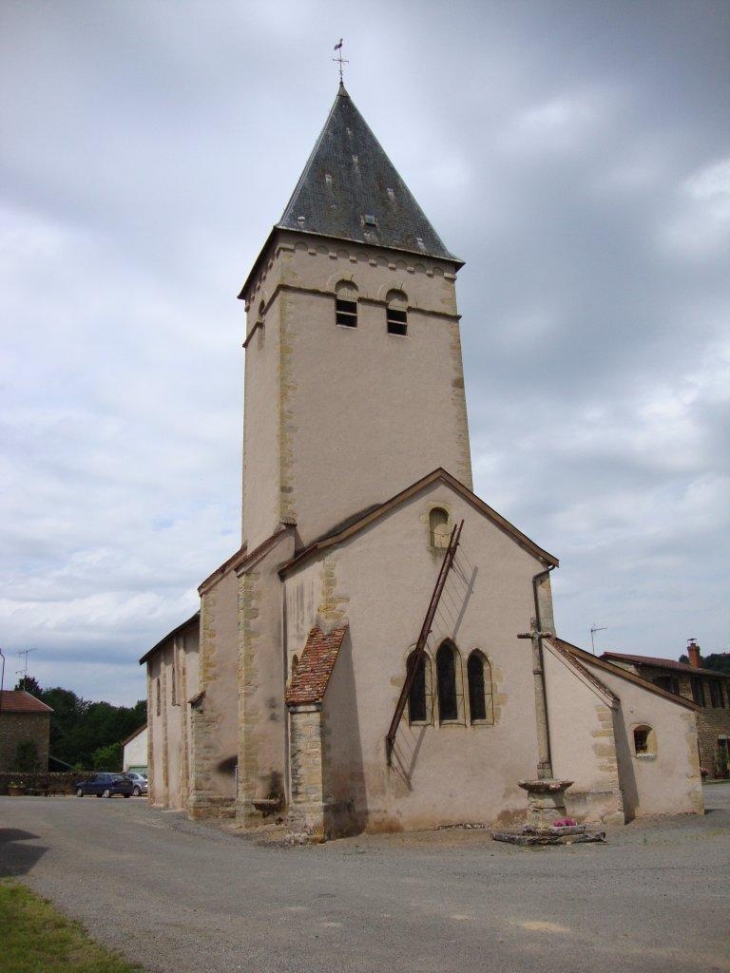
(340, 59)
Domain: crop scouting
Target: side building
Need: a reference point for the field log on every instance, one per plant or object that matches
(25, 729)
(709, 689)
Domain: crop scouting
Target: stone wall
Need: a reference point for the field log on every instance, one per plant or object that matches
(711, 724)
(58, 782)
(18, 728)
(306, 808)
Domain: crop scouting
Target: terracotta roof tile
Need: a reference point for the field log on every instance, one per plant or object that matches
(18, 701)
(646, 660)
(312, 674)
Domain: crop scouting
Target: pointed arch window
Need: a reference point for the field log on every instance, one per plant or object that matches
(346, 304)
(397, 313)
(419, 697)
(448, 682)
(479, 679)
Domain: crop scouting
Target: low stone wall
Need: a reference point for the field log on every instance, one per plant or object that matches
(43, 783)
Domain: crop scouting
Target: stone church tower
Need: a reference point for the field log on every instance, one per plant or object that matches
(380, 653)
(354, 384)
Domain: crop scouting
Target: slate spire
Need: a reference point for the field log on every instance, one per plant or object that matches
(350, 190)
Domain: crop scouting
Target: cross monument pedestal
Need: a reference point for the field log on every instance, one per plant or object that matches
(545, 801)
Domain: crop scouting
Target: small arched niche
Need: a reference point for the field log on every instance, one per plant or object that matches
(438, 528)
(644, 741)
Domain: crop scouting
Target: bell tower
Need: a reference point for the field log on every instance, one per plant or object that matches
(354, 384)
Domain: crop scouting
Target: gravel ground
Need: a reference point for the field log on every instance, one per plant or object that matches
(189, 897)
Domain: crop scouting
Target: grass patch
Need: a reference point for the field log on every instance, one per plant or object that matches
(36, 938)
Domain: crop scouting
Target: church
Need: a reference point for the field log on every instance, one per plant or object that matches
(380, 654)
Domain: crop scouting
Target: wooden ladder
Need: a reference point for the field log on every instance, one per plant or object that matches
(419, 651)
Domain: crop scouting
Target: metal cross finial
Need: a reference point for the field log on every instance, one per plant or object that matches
(340, 59)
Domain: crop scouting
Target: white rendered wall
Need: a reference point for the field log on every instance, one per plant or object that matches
(338, 418)
(381, 582)
(135, 752)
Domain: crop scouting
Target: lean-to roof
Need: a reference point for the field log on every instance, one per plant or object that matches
(591, 661)
(312, 673)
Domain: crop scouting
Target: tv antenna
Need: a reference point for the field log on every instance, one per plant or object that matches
(24, 672)
(594, 629)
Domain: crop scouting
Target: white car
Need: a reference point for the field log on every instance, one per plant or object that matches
(139, 782)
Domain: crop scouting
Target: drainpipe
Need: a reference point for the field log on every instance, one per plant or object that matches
(286, 781)
(545, 763)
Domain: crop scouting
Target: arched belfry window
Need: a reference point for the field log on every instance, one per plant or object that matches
(397, 312)
(346, 304)
(448, 682)
(479, 679)
(419, 697)
(438, 527)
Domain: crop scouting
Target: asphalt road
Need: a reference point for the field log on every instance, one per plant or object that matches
(186, 897)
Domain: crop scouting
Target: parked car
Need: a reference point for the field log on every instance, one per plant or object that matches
(104, 785)
(139, 781)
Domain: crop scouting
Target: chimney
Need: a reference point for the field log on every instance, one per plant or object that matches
(693, 651)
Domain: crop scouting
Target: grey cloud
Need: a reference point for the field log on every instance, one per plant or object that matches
(149, 148)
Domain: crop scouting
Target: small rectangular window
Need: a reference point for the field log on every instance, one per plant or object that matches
(641, 740)
(346, 313)
(715, 693)
(397, 321)
(669, 683)
(698, 690)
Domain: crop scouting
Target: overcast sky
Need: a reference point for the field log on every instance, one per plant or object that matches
(575, 154)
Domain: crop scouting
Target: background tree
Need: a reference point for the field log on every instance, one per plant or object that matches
(717, 661)
(108, 758)
(30, 685)
(80, 729)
